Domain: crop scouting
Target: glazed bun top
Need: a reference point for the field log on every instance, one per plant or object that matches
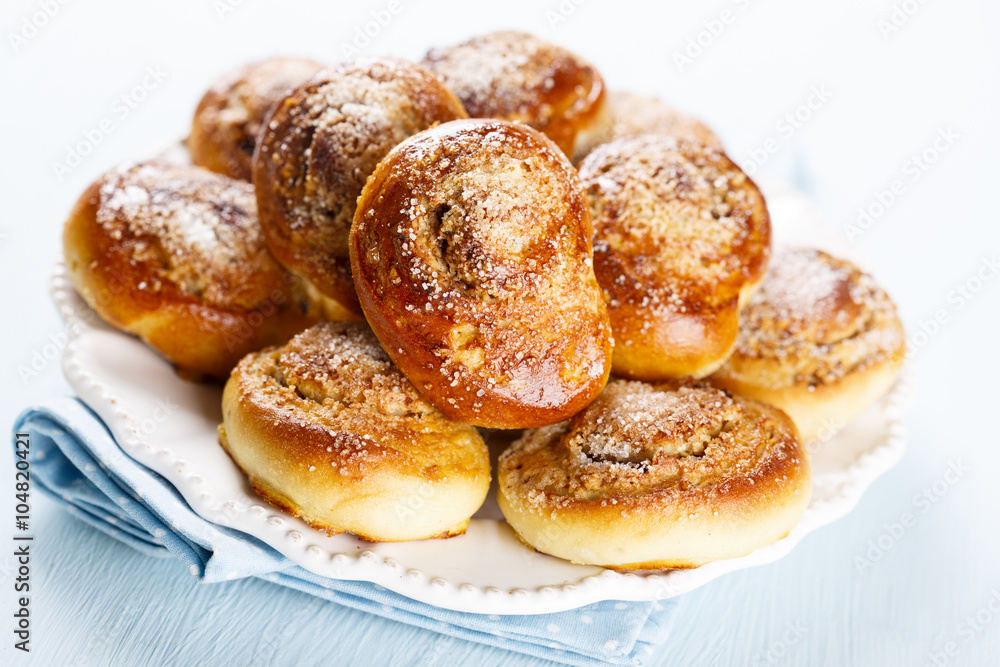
(639, 443)
(229, 117)
(633, 114)
(492, 208)
(321, 144)
(519, 77)
(194, 233)
(822, 317)
(472, 256)
(334, 379)
(677, 224)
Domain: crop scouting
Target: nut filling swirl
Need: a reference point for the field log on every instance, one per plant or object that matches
(657, 476)
(819, 318)
(337, 379)
(639, 441)
(328, 429)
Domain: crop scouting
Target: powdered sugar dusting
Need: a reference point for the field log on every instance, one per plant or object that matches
(519, 77)
(641, 441)
(198, 227)
(635, 423)
(344, 363)
(817, 318)
(673, 214)
(335, 379)
(634, 114)
(806, 285)
(479, 228)
(497, 73)
(321, 145)
(129, 196)
(230, 115)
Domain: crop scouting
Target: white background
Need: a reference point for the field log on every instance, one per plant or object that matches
(890, 96)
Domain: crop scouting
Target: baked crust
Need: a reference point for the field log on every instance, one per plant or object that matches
(471, 252)
(681, 236)
(321, 143)
(633, 114)
(229, 117)
(329, 430)
(174, 255)
(656, 476)
(819, 339)
(518, 77)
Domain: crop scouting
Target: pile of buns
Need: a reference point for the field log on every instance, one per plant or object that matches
(378, 257)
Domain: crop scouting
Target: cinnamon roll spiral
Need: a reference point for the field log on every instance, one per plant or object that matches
(819, 339)
(655, 476)
(328, 429)
(471, 253)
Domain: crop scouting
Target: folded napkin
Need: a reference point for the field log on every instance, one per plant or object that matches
(75, 459)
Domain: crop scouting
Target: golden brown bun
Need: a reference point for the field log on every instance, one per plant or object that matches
(329, 430)
(681, 235)
(471, 253)
(633, 114)
(321, 143)
(819, 339)
(174, 255)
(518, 77)
(229, 117)
(656, 476)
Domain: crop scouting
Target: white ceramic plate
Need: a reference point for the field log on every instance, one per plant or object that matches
(487, 570)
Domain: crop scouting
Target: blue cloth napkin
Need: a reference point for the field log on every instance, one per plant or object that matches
(75, 459)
